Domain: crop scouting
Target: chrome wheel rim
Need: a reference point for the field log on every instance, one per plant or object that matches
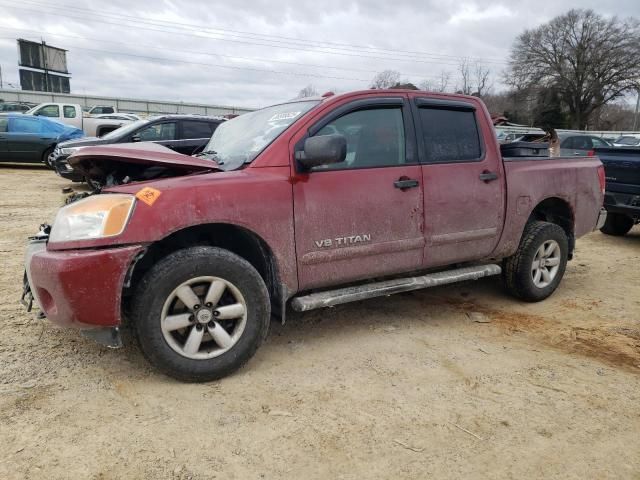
(546, 263)
(203, 317)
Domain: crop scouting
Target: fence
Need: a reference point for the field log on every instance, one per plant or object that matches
(145, 107)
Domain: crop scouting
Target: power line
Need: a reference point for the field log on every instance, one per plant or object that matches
(232, 57)
(199, 34)
(266, 37)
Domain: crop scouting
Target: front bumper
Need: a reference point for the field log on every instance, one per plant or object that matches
(79, 288)
(62, 167)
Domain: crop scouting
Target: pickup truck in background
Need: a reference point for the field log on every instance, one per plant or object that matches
(305, 204)
(622, 196)
(71, 114)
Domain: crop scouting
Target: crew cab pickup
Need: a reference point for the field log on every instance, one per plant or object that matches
(622, 197)
(305, 204)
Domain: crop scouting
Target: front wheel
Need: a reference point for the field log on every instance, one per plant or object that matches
(617, 224)
(45, 158)
(535, 270)
(201, 313)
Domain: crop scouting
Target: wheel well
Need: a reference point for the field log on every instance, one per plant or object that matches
(558, 211)
(238, 240)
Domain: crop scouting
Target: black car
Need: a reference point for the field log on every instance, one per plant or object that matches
(186, 134)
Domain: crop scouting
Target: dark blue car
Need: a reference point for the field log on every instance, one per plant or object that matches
(31, 139)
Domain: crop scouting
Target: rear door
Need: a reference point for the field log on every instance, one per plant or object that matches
(194, 135)
(361, 218)
(463, 182)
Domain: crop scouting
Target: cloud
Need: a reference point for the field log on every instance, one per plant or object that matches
(257, 52)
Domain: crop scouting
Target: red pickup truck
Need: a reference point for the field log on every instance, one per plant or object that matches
(305, 204)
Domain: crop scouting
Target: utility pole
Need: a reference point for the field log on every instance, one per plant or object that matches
(1, 85)
(635, 115)
(46, 66)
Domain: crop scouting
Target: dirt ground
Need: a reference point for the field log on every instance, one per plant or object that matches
(409, 386)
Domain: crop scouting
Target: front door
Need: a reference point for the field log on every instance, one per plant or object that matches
(4, 152)
(463, 182)
(363, 217)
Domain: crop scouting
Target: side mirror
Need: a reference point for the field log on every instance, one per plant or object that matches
(322, 150)
(135, 138)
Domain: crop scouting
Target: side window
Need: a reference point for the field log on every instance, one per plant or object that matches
(158, 132)
(598, 143)
(107, 110)
(69, 111)
(450, 135)
(24, 125)
(567, 143)
(582, 143)
(193, 129)
(3, 125)
(375, 138)
(49, 111)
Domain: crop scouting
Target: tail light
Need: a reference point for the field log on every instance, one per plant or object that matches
(591, 153)
(601, 178)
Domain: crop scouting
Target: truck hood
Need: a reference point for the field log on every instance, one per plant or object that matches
(108, 165)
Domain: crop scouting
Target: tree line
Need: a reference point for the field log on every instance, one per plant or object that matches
(571, 72)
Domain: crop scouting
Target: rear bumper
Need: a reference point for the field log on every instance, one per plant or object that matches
(79, 288)
(625, 203)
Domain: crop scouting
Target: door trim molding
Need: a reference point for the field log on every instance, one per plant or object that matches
(465, 236)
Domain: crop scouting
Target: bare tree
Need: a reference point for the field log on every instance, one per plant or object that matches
(440, 84)
(474, 78)
(590, 60)
(386, 79)
(308, 91)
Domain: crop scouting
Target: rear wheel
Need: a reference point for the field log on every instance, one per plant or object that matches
(617, 224)
(201, 313)
(536, 269)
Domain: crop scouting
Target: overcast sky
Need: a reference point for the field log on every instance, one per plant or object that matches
(256, 52)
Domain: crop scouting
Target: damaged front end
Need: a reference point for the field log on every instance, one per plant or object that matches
(111, 165)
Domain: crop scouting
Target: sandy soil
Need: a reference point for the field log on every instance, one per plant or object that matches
(410, 386)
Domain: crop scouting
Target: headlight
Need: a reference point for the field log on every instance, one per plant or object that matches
(69, 150)
(98, 216)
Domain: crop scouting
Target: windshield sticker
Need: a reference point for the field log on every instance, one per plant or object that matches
(148, 195)
(284, 116)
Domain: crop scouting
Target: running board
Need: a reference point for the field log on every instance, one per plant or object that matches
(378, 289)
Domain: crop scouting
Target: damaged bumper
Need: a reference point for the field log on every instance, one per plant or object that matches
(78, 288)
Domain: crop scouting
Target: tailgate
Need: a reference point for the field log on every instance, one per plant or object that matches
(622, 169)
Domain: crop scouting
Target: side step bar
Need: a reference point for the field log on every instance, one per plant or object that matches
(378, 289)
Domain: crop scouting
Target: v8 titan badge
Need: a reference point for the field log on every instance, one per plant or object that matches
(148, 195)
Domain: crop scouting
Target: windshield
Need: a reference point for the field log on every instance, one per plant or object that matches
(241, 140)
(124, 130)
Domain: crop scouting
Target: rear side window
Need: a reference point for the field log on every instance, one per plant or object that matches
(193, 129)
(49, 111)
(450, 135)
(69, 111)
(3, 124)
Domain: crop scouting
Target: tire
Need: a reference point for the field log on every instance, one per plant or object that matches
(519, 273)
(45, 158)
(617, 224)
(156, 307)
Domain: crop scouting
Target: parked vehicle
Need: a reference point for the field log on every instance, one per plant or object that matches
(71, 114)
(19, 107)
(185, 134)
(31, 140)
(307, 204)
(626, 141)
(101, 109)
(577, 144)
(622, 196)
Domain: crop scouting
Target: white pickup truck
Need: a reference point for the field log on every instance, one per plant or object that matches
(71, 114)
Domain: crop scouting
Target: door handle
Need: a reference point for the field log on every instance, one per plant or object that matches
(487, 176)
(405, 183)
